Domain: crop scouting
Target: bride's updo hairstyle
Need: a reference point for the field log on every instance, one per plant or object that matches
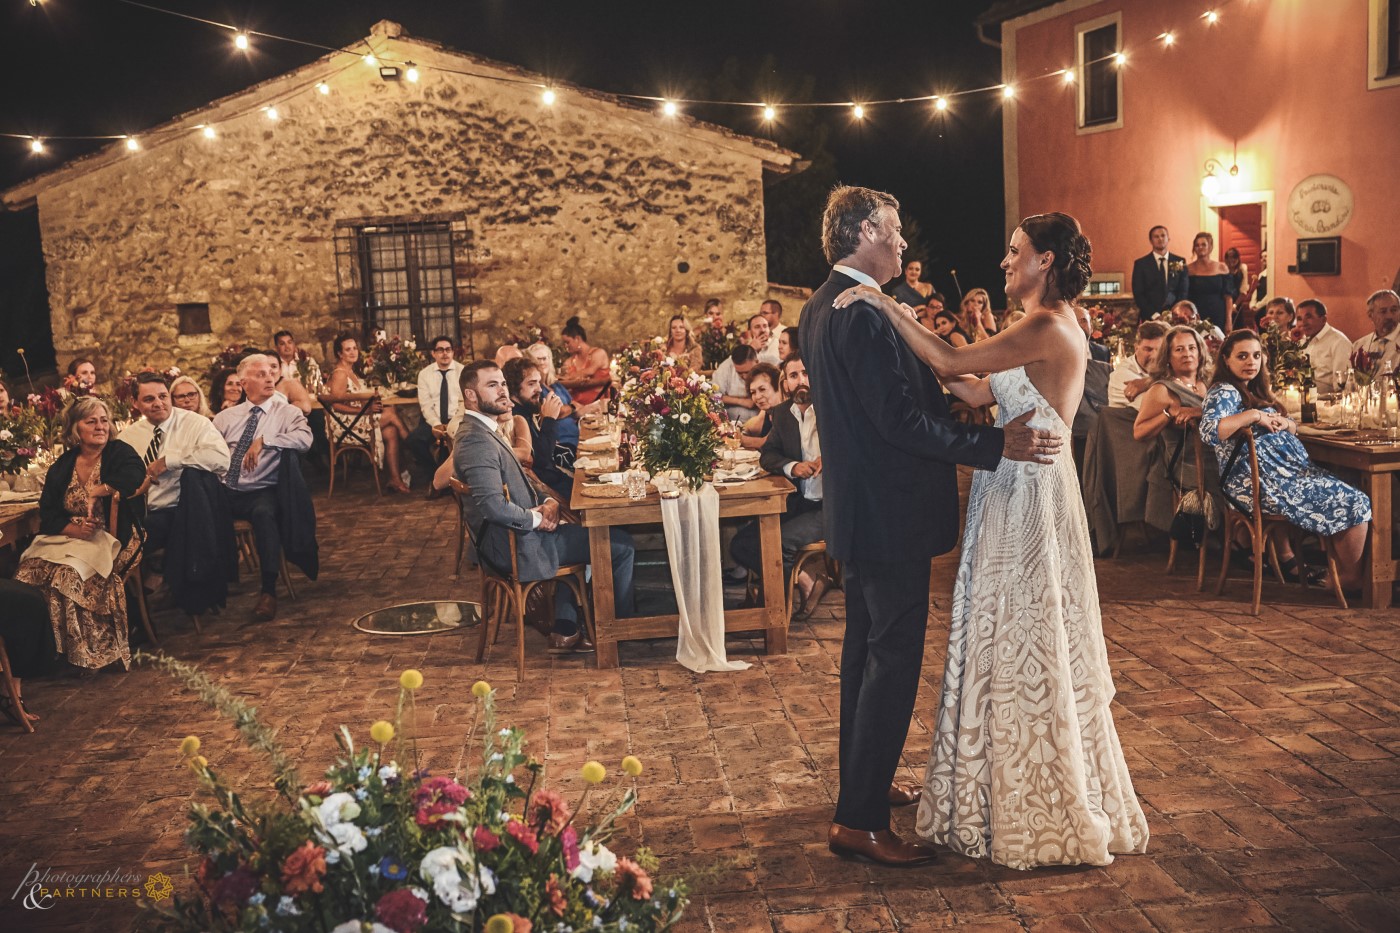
(1069, 271)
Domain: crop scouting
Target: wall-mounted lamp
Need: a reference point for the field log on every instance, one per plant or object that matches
(1210, 184)
(388, 72)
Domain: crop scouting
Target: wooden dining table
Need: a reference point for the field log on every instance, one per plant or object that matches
(764, 497)
(18, 520)
(1371, 461)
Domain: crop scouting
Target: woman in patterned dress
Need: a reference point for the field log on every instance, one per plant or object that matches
(1311, 498)
(380, 420)
(88, 606)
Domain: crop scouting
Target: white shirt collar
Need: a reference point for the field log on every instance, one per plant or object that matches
(1157, 255)
(856, 274)
(485, 419)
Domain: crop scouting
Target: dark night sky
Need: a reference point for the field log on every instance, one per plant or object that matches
(98, 66)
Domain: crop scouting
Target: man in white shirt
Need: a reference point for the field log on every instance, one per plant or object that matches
(732, 380)
(793, 448)
(288, 355)
(439, 400)
(760, 337)
(168, 440)
(1129, 379)
(772, 312)
(1383, 308)
(1329, 350)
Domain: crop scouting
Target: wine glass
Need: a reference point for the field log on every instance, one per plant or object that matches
(733, 437)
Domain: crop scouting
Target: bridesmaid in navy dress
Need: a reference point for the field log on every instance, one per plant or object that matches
(1211, 286)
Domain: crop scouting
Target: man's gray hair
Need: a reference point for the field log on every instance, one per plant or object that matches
(254, 359)
(1383, 293)
(846, 208)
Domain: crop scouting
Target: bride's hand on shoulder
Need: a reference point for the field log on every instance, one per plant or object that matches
(874, 297)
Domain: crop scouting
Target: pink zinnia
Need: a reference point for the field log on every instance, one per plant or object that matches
(640, 881)
(437, 797)
(484, 840)
(569, 840)
(548, 812)
(523, 835)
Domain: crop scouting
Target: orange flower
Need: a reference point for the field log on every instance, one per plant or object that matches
(303, 870)
(629, 871)
(552, 893)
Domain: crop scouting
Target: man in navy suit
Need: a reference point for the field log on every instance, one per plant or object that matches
(1159, 278)
(889, 450)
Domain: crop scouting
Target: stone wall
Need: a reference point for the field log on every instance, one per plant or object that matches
(617, 215)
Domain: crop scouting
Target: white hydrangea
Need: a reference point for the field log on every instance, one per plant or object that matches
(442, 866)
(594, 857)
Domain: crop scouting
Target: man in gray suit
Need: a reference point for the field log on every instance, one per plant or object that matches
(484, 461)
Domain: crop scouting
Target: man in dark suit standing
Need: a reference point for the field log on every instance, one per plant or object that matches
(891, 505)
(1159, 278)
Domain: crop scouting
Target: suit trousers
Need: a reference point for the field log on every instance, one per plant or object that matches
(797, 531)
(258, 507)
(159, 523)
(420, 443)
(571, 546)
(881, 657)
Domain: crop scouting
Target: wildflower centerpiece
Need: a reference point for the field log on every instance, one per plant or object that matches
(1115, 329)
(1289, 363)
(716, 343)
(675, 414)
(22, 435)
(1365, 366)
(380, 845)
(393, 362)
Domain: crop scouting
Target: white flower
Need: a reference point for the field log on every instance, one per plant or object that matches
(685, 418)
(337, 808)
(594, 857)
(389, 771)
(670, 361)
(361, 926)
(440, 866)
(658, 340)
(338, 833)
(5, 435)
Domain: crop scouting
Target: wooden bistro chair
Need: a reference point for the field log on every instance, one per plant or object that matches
(356, 436)
(501, 594)
(133, 571)
(1263, 532)
(247, 544)
(7, 680)
(1199, 447)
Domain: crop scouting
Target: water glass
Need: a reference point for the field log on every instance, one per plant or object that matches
(636, 483)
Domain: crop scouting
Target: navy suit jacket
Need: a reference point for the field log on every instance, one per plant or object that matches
(1151, 293)
(889, 447)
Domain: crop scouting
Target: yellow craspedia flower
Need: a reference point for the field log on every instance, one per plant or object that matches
(411, 679)
(594, 772)
(500, 923)
(199, 763)
(190, 746)
(632, 765)
(480, 689)
(382, 732)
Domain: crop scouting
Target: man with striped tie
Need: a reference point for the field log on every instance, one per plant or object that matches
(257, 430)
(169, 439)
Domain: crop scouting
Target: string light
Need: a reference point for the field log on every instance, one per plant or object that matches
(669, 108)
(271, 112)
(412, 73)
(323, 87)
(209, 132)
(549, 97)
(769, 113)
(1068, 75)
(940, 104)
(1211, 17)
(240, 41)
(1008, 92)
(371, 61)
(858, 111)
(1168, 38)
(132, 143)
(1120, 59)
(36, 145)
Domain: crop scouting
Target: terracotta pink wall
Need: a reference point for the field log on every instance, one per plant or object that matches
(1286, 78)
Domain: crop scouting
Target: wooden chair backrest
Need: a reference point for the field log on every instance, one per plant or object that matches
(510, 536)
(346, 421)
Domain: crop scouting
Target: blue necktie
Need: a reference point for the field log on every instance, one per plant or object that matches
(235, 466)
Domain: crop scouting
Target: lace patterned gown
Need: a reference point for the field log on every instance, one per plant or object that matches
(1026, 766)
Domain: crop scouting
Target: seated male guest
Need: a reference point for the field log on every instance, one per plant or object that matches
(257, 431)
(169, 439)
(439, 400)
(1383, 309)
(1329, 350)
(731, 379)
(541, 410)
(485, 462)
(765, 388)
(1129, 378)
(793, 449)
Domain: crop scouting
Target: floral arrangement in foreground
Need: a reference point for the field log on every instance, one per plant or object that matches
(1289, 363)
(22, 435)
(675, 414)
(1365, 365)
(379, 845)
(716, 343)
(392, 361)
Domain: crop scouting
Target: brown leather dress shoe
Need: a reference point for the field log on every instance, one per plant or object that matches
(563, 644)
(904, 795)
(883, 847)
(266, 608)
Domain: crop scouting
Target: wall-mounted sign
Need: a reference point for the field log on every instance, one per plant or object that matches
(1320, 205)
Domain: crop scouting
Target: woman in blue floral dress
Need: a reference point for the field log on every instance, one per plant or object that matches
(1311, 498)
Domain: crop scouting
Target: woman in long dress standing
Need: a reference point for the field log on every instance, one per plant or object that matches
(1026, 767)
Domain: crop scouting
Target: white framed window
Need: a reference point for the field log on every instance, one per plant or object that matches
(1098, 43)
(1383, 44)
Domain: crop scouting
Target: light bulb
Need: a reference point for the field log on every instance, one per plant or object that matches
(940, 104)
(1069, 76)
(1008, 92)
(323, 87)
(1212, 17)
(209, 132)
(133, 143)
(549, 97)
(371, 61)
(669, 108)
(271, 112)
(412, 73)
(1168, 38)
(1210, 185)
(240, 42)
(1120, 59)
(36, 145)
(858, 112)
(769, 113)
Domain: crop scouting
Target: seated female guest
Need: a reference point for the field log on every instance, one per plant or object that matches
(787, 343)
(566, 429)
(977, 317)
(945, 325)
(75, 560)
(84, 372)
(764, 382)
(6, 402)
(1241, 400)
(340, 390)
(586, 369)
(185, 393)
(225, 391)
(1179, 372)
(681, 343)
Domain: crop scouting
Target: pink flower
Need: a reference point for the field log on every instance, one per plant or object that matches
(484, 840)
(401, 910)
(548, 812)
(630, 874)
(236, 887)
(523, 835)
(437, 797)
(569, 840)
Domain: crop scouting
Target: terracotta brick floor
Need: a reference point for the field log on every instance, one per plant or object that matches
(1264, 750)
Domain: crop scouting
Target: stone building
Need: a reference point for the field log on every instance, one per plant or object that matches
(426, 192)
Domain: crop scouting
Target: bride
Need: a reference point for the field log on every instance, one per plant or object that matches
(1026, 766)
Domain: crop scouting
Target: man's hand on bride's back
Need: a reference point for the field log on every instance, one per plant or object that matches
(1023, 442)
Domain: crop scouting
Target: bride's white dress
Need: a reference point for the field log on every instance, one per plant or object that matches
(1026, 766)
